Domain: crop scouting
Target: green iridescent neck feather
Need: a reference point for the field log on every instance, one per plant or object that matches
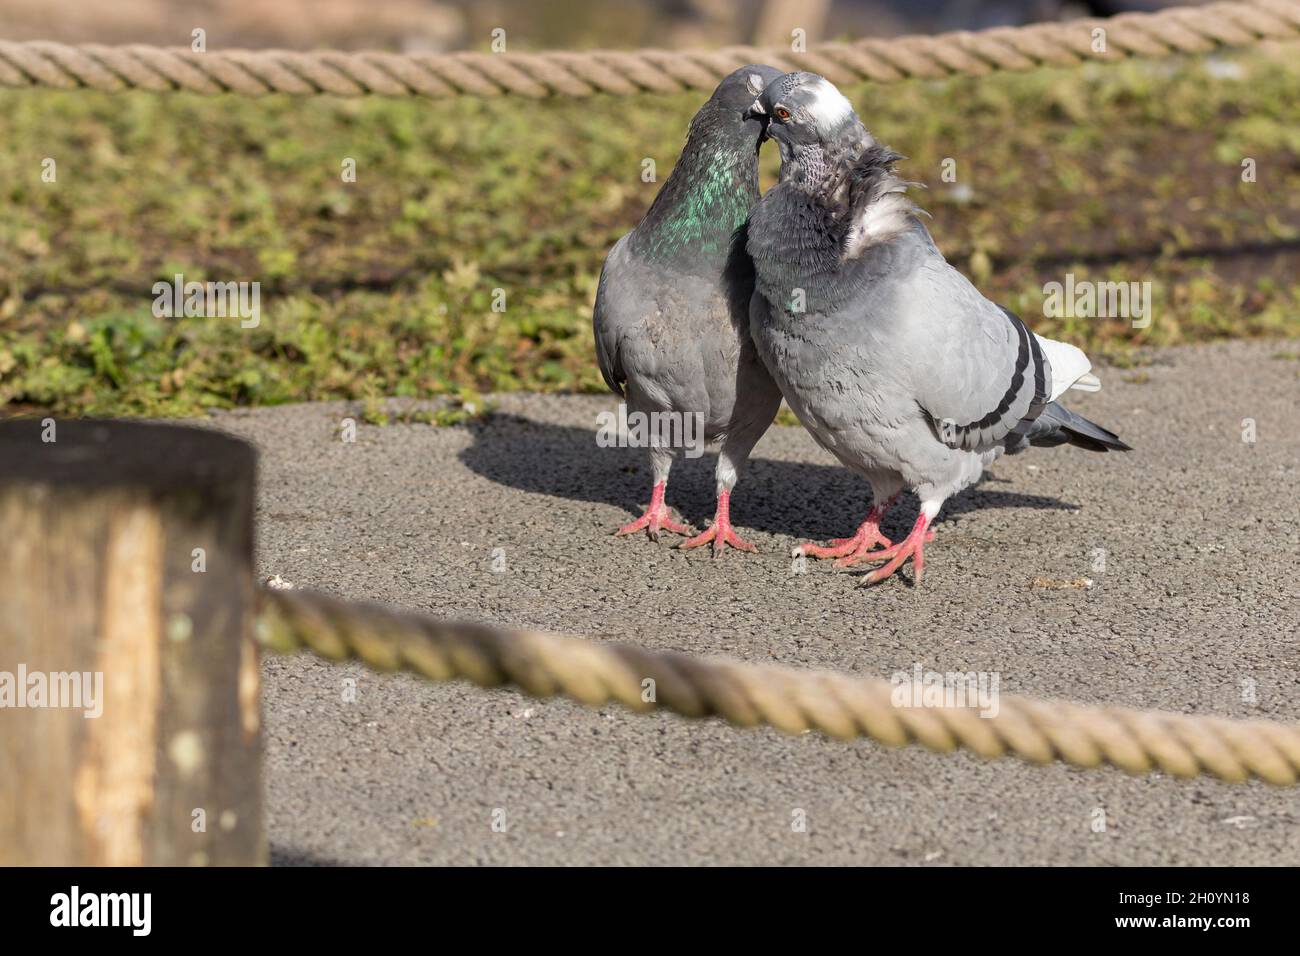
(705, 200)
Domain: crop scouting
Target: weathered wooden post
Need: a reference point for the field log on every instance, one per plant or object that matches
(129, 686)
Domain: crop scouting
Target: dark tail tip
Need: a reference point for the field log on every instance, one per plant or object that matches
(1080, 440)
(1090, 435)
(1058, 425)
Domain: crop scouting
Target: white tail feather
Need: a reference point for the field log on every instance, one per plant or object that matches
(1070, 367)
(1087, 383)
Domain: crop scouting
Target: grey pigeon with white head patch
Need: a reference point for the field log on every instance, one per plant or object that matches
(671, 319)
(890, 357)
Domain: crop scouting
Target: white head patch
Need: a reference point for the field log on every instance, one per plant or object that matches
(827, 105)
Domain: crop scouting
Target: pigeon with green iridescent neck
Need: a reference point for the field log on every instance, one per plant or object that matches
(672, 309)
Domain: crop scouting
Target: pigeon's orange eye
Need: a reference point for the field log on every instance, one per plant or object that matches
(782, 113)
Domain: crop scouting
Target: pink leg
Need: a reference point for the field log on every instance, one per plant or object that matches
(657, 516)
(856, 548)
(913, 546)
(720, 532)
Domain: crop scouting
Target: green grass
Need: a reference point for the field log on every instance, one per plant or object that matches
(384, 287)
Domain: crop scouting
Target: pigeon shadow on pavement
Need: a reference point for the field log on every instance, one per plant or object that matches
(798, 499)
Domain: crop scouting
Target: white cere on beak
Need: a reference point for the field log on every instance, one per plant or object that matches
(755, 83)
(828, 106)
(757, 107)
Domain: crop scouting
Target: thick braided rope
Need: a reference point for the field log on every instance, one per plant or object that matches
(254, 73)
(790, 700)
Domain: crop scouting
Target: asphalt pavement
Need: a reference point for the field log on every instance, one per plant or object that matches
(1168, 578)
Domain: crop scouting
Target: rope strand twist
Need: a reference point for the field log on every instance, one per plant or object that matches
(794, 701)
(258, 72)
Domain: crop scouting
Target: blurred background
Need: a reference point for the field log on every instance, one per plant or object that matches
(567, 24)
(383, 286)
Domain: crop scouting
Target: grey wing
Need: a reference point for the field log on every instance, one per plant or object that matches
(605, 319)
(760, 316)
(988, 379)
(758, 310)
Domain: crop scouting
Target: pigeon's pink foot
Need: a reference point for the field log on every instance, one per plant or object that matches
(913, 546)
(658, 516)
(720, 532)
(856, 548)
